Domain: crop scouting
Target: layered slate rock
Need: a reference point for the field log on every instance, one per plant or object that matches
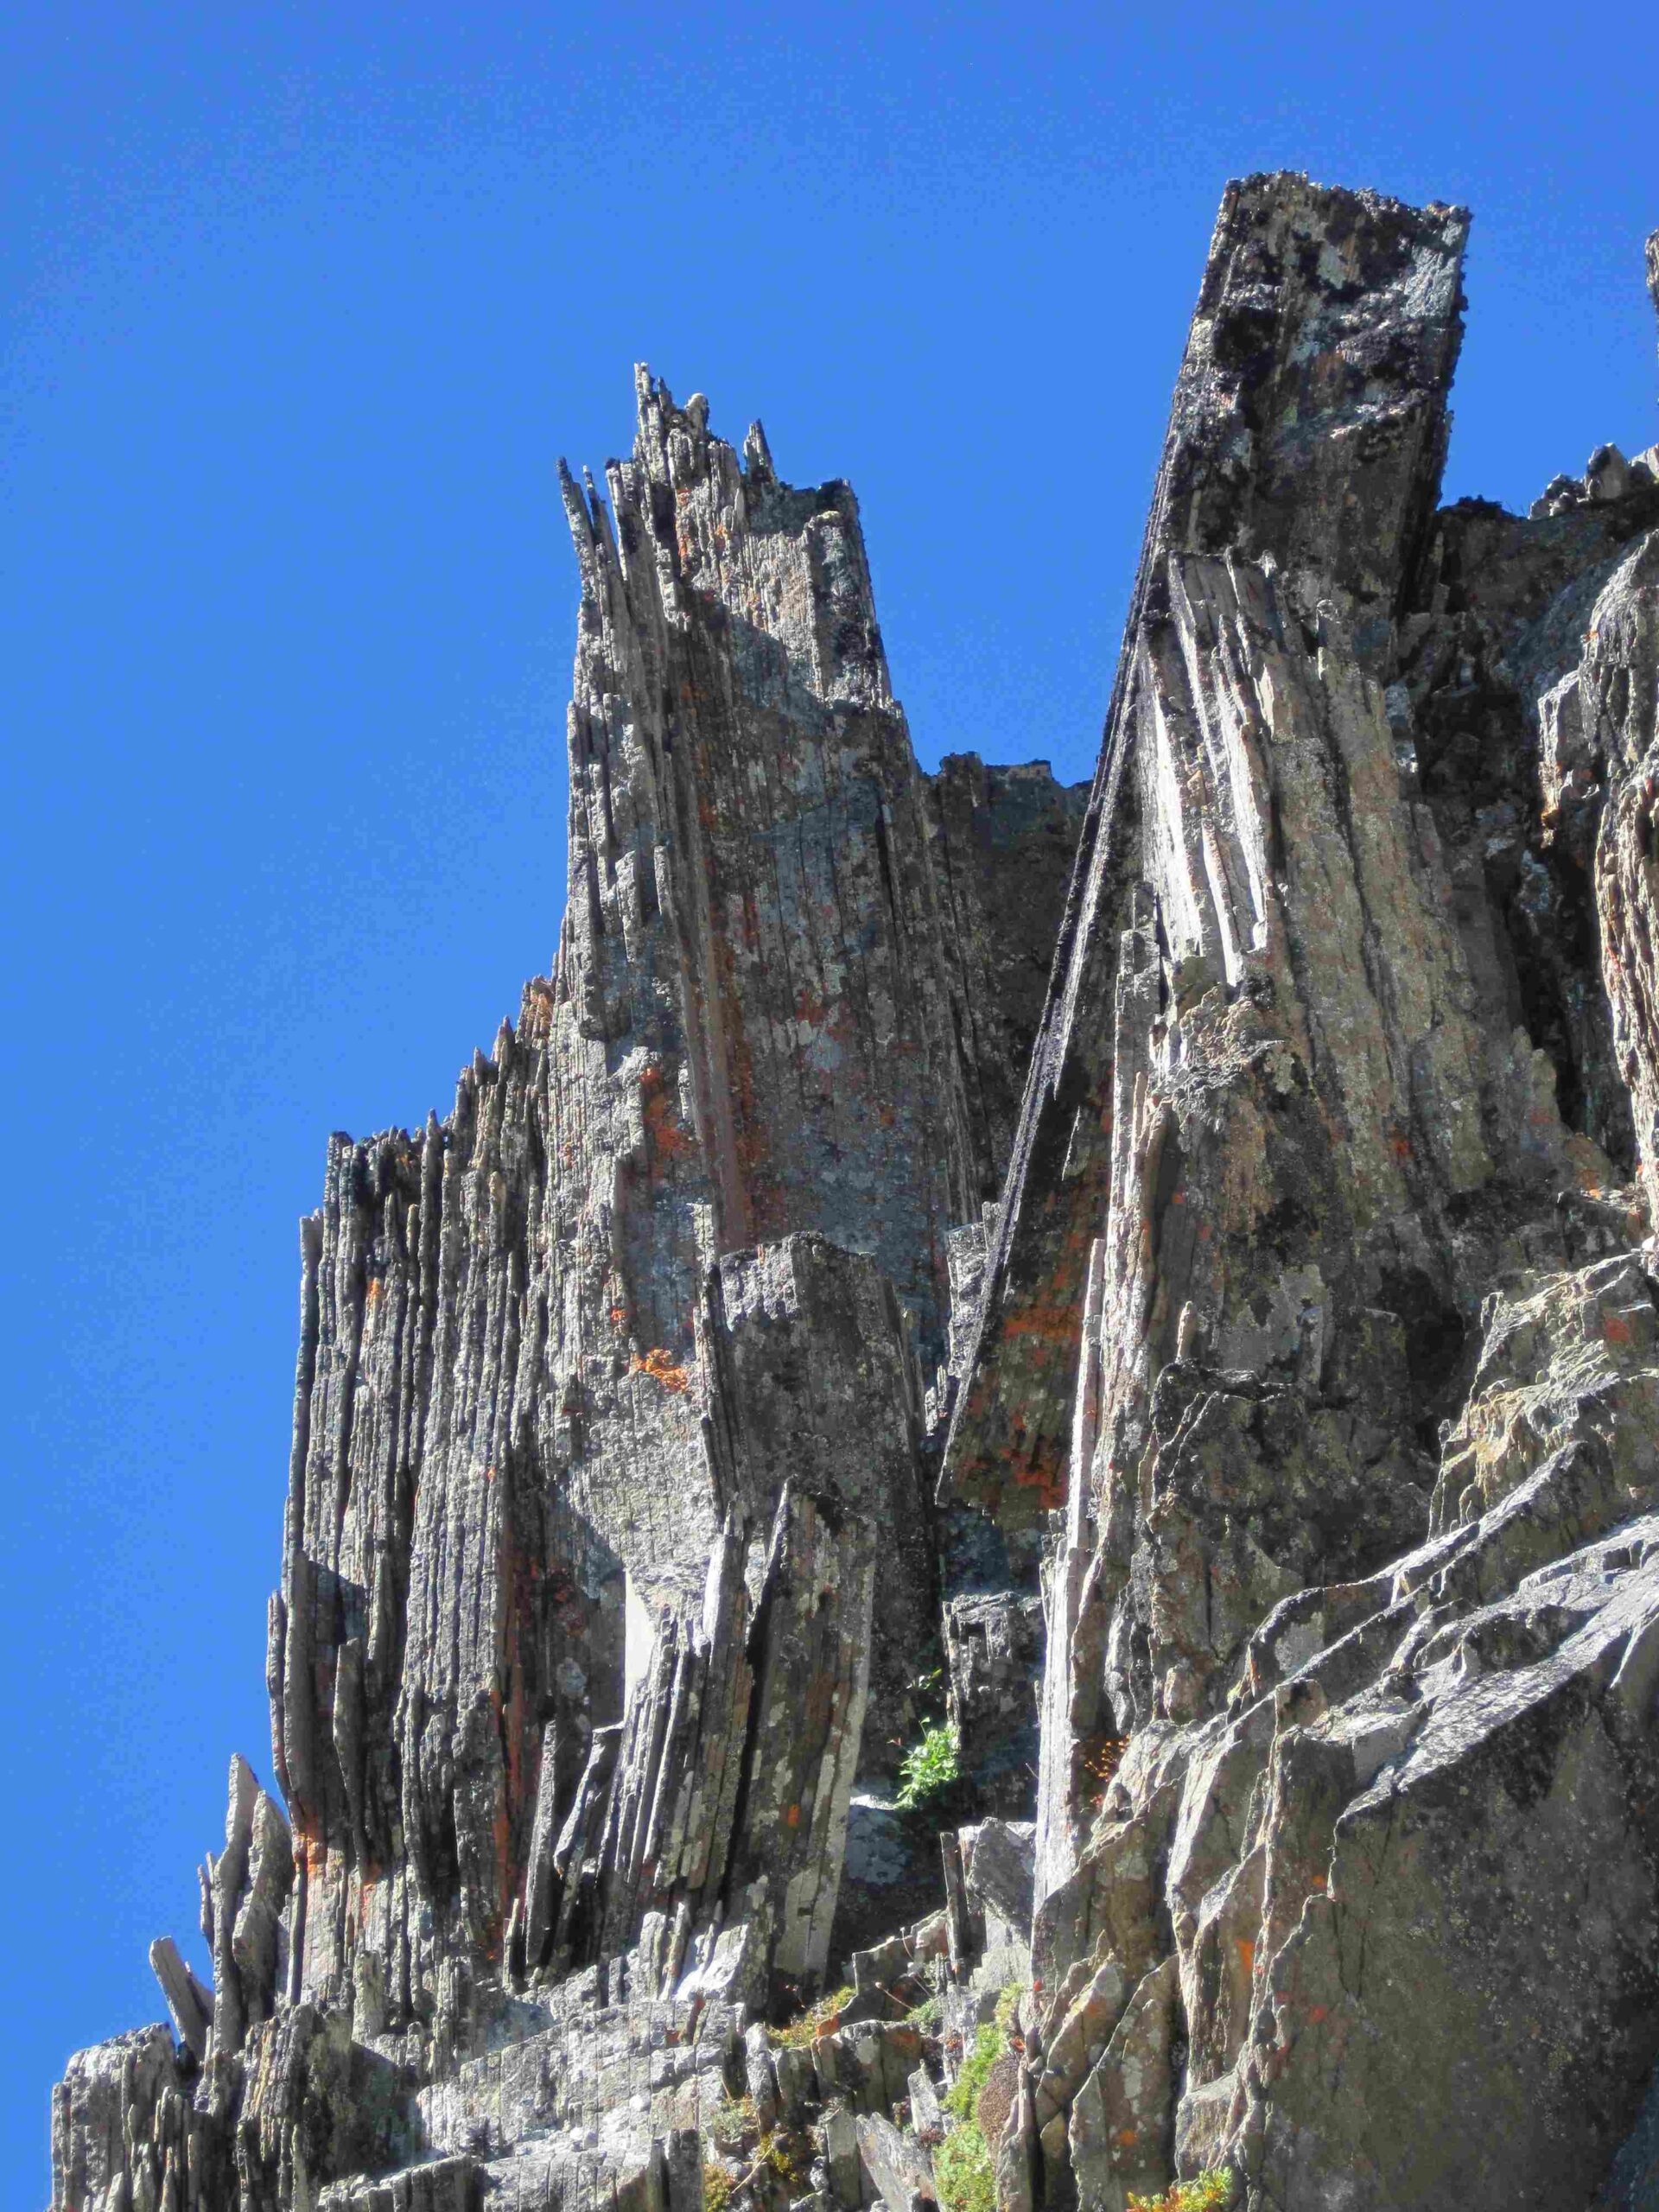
(1328, 1721)
(610, 1563)
(1399, 1895)
(1310, 1343)
(1306, 436)
(727, 1822)
(755, 1026)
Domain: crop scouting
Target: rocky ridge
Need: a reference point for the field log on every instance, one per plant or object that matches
(1191, 1307)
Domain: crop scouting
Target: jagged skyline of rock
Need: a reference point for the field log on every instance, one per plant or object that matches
(614, 1566)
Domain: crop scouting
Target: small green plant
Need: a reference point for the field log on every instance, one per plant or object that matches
(781, 2152)
(990, 2041)
(962, 2171)
(1209, 2192)
(788, 2154)
(964, 2166)
(925, 2015)
(732, 2120)
(929, 1768)
(817, 2021)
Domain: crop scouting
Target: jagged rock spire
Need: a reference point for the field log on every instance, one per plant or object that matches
(1307, 433)
(1319, 1363)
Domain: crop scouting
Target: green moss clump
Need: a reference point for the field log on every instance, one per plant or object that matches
(963, 2170)
(788, 2155)
(732, 2120)
(963, 2166)
(1209, 2192)
(989, 2043)
(817, 2021)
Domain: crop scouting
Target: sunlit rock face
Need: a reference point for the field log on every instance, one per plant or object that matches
(1033, 1413)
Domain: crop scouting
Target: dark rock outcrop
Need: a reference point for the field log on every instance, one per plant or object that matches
(1248, 1224)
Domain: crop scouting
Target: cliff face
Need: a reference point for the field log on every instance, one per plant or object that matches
(1191, 1309)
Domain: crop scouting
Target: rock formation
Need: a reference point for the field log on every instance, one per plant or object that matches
(1189, 1313)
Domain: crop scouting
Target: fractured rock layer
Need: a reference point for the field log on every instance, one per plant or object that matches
(1324, 1071)
(1250, 1222)
(610, 1564)
(758, 1024)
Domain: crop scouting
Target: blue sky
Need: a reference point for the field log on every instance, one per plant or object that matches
(297, 309)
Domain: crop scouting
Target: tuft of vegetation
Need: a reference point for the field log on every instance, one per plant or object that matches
(1209, 2192)
(925, 2016)
(962, 2171)
(732, 2120)
(787, 2153)
(781, 2152)
(989, 2043)
(964, 2167)
(819, 2019)
(931, 1768)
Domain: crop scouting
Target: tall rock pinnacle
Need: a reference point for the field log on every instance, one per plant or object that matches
(520, 1414)
(985, 1522)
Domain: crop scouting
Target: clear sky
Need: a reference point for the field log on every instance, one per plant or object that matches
(298, 306)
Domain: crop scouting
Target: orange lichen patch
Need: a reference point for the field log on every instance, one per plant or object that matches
(1246, 1954)
(792, 1817)
(1052, 1325)
(1616, 1329)
(662, 1367)
(1126, 2138)
(619, 1317)
(666, 1138)
(375, 1289)
(1045, 1482)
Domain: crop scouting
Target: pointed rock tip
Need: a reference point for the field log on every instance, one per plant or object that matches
(1267, 185)
(575, 509)
(647, 388)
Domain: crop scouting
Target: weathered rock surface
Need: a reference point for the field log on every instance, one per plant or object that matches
(1306, 437)
(610, 1561)
(1323, 1190)
(1250, 1225)
(520, 1435)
